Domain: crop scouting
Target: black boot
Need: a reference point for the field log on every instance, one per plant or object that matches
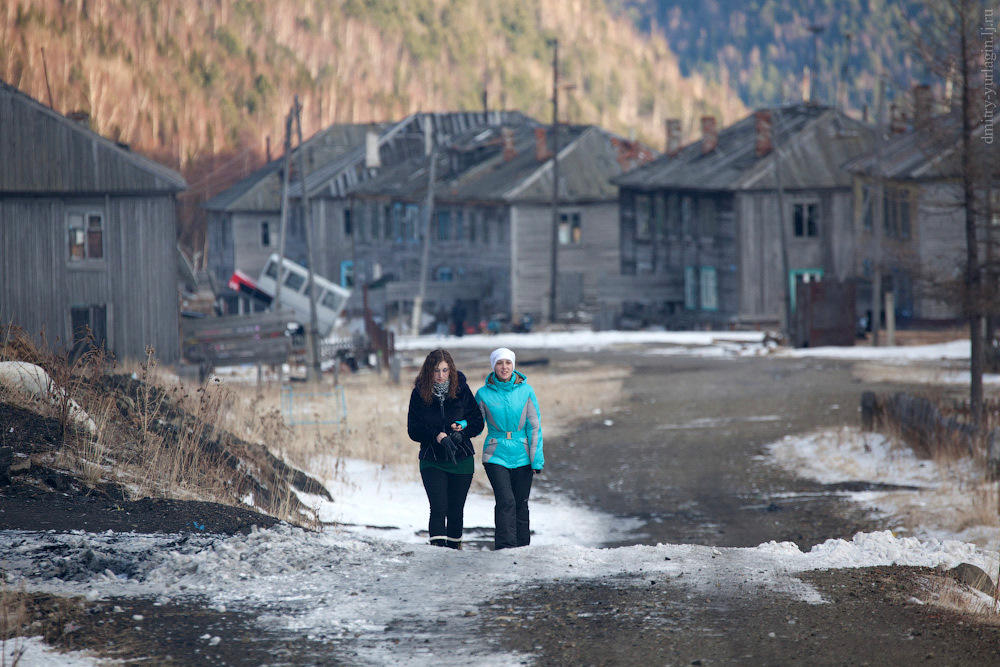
(455, 544)
(439, 542)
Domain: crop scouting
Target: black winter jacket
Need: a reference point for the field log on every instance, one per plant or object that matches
(425, 420)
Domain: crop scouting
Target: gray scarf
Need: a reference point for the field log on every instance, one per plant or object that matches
(441, 390)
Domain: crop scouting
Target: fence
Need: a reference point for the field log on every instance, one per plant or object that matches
(308, 407)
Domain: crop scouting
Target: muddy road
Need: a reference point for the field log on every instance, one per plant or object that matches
(683, 452)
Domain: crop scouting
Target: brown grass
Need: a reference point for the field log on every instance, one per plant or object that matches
(13, 623)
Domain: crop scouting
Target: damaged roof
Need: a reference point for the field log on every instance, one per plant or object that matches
(512, 164)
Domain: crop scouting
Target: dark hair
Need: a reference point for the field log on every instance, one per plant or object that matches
(425, 379)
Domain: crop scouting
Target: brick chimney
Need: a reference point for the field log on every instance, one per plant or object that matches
(922, 104)
(709, 135)
(80, 118)
(542, 152)
(673, 136)
(507, 137)
(763, 131)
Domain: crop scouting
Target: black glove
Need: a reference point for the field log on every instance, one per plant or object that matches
(449, 447)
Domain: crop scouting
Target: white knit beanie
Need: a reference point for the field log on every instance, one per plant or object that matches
(501, 353)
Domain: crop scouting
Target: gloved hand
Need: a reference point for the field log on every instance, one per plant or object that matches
(449, 448)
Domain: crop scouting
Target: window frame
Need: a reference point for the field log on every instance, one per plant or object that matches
(85, 215)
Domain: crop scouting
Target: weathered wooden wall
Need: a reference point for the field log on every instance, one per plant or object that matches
(136, 279)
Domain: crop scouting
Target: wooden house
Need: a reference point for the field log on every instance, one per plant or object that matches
(491, 225)
(244, 221)
(911, 186)
(88, 234)
(701, 239)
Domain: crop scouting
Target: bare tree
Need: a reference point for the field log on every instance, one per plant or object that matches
(956, 43)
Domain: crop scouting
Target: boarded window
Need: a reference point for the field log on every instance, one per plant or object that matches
(690, 288)
(86, 235)
(90, 328)
(709, 288)
(444, 225)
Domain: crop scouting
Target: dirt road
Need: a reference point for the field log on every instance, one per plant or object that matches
(683, 454)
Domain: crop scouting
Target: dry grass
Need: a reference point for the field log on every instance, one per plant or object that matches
(13, 623)
(375, 429)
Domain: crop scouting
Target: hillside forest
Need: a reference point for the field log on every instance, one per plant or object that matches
(204, 86)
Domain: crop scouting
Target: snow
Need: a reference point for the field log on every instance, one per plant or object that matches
(366, 585)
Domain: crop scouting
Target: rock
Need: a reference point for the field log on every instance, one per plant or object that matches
(972, 576)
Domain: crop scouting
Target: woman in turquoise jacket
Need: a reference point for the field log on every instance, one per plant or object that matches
(512, 453)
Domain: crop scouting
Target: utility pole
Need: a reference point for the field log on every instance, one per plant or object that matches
(314, 369)
(425, 251)
(555, 180)
(284, 212)
(786, 276)
(877, 216)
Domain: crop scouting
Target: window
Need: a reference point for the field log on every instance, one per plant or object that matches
(487, 216)
(459, 225)
(570, 231)
(805, 220)
(444, 225)
(659, 216)
(690, 288)
(673, 215)
(265, 234)
(687, 216)
(294, 281)
(348, 225)
(398, 226)
(444, 274)
(387, 223)
(347, 274)
(707, 217)
(709, 288)
(412, 222)
(501, 229)
(896, 213)
(643, 212)
(271, 270)
(86, 235)
(473, 225)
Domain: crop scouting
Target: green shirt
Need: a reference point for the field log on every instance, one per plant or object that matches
(466, 466)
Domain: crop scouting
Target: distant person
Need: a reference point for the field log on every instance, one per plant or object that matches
(443, 417)
(512, 452)
(458, 317)
(441, 323)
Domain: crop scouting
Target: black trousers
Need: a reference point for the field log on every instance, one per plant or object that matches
(511, 487)
(446, 492)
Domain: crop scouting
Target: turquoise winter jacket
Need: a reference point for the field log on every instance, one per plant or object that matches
(510, 409)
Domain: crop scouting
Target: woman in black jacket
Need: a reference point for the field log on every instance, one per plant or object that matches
(443, 417)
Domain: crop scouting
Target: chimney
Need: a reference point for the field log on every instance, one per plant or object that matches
(372, 158)
(922, 104)
(763, 133)
(80, 118)
(508, 143)
(541, 145)
(673, 136)
(709, 135)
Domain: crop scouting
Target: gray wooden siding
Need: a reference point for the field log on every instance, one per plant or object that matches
(532, 245)
(940, 243)
(35, 138)
(136, 279)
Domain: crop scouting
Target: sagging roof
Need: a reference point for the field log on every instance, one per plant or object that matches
(504, 164)
(928, 152)
(814, 141)
(335, 157)
(261, 190)
(42, 151)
